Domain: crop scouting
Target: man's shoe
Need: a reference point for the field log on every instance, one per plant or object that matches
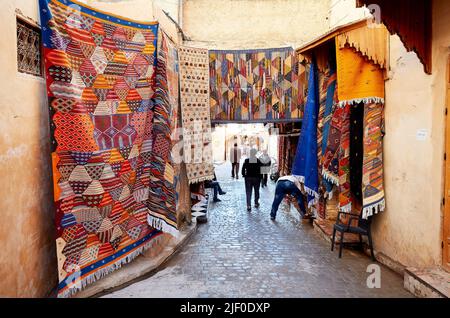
(272, 218)
(256, 205)
(249, 208)
(217, 200)
(222, 193)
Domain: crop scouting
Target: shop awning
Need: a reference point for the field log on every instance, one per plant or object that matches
(369, 40)
(411, 20)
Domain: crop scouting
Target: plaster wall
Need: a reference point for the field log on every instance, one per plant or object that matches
(27, 258)
(249, 24)
(410, 230)
(342, 12)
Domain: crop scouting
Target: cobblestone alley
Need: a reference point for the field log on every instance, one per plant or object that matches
(242, 254)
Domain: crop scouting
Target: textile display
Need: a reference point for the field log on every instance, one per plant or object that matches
(345, 195)
(322, 83)
(261, 84)
(328, 101)
(161, 202)
(195, 111)
(359, 80)
(306, 162)
(330, 170)
(372, 180)
(100, 73)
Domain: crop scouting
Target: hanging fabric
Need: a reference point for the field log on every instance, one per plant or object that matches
(100, 84)
(259, 84)
(345, 195)
(195, 110)
(361, 83)
(162, 203)
(359, 80)
(372, 180)
(305, 164)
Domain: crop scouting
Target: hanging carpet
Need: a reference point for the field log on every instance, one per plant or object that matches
(100, 80)
(360, 84)
(164, 172)
(195, 111)
(306, 160)
(359, 80)
(255, 85)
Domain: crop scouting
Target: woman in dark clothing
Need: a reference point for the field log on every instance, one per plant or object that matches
(251, 171)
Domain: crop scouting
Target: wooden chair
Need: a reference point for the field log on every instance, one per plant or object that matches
(362, 227)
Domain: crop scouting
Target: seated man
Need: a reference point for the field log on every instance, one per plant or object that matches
(214, 184)
(287, 185)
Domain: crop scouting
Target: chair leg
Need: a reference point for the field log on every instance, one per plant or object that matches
(333, 239)
(341, 244)
(369, 236)
(361, 242)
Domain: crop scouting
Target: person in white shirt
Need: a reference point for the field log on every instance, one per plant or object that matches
(288, 185)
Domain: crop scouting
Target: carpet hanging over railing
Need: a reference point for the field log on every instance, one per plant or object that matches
(255, 85)
(100, 72)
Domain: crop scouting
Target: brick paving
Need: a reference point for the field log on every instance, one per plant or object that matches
(242, 254)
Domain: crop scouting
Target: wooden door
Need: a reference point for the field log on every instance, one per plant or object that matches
(446, 227)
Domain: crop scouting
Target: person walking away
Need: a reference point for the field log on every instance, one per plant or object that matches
(288, 185)
(267, 163)
(235, 158)
(251, 171)
(215, 185)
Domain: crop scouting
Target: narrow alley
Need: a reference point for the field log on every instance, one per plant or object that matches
(242, 254)
(125, 122)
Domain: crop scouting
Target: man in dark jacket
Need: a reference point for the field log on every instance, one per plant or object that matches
(251, 171)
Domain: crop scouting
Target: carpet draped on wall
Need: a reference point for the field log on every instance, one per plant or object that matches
(195, 112)
(261, 84)
(100, 73)
(164, 172)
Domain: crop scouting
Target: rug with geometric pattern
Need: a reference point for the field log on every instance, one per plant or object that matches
(100, 74)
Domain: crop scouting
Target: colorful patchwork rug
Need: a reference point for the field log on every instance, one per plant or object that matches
(305, 163)
(100, 72)
(323, 79)
(330, 170)
(261, 84)
(372, 180)
(161, 203)
(329, 98)
(195, 111)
